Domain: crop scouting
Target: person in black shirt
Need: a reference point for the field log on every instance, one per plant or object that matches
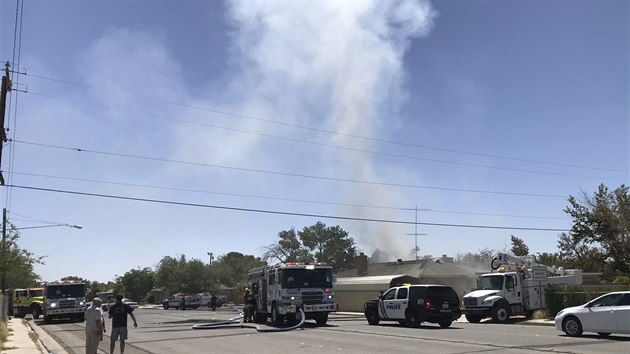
(118, 313)
(213, 302)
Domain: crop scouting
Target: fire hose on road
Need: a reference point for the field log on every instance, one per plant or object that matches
(238, 321)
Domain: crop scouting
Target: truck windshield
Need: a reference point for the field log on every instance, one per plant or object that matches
(307, 278)
(36, 292)
(58, 291)
(491, 282)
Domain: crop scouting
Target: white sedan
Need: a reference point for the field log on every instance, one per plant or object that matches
(606, 314)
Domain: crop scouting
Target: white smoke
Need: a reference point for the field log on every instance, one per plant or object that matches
(338, 66)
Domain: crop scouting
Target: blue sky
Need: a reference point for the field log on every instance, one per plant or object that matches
(485, 113)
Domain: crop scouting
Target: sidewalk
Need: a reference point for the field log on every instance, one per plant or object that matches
(24, 339)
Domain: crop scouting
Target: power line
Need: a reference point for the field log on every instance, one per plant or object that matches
(158, 201)
(277, 198)
(427, 147)
(467, 164)
(287, 174)
(328, 145)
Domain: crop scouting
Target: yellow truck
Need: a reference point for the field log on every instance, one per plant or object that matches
(28, 301)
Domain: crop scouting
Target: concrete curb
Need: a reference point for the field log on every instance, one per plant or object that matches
(47, 342)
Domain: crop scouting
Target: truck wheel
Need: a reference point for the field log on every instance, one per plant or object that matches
(572, 326)
(259, 317)
(277, 319)
(321, 318)
(500, 313)
(445, 324)
(36, 312)
(412, 318)
(21, 313)
(81, 317)
(473, 318)
(291, 318)
(372, 316)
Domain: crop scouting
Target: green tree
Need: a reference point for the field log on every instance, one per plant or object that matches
(318, 242)
(170, 273)
(603, 220)
(232, 268)
(577, 252)
(288, 249)
(550, 259)
(330, 245)
(519, 248)
(16, 264)
(136, 283)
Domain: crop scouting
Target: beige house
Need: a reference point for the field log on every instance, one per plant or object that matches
(356, 286)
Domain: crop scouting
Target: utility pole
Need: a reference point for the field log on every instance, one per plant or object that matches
(416, 234)
(211, 257)
(6, 87)
(4, 250)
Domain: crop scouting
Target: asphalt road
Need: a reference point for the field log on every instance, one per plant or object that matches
(170, 331)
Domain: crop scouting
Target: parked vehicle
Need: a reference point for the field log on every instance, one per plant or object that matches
(106, 296)
(175, 301)
(280, 291)
(131, 303)
(64, 299)
(27, 301)
(413, 304)
(609, 313)
(205, 298)
(515, 287)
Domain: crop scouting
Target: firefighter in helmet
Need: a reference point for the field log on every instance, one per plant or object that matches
(248, 309)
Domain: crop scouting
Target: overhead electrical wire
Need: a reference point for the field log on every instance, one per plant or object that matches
(288, 174)
(323, 144)
(276, 212)
(427, 147)
(275, 198)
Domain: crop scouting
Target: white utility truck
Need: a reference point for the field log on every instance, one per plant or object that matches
(515, 286)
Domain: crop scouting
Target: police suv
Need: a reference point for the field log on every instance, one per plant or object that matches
(413, 304)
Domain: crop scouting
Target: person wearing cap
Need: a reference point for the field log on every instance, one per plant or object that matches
(118, 313)
(94, 326)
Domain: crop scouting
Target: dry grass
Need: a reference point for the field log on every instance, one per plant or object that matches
(539, 315)
(4, 333)
(35, 340)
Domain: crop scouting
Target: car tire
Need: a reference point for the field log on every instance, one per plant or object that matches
(473, 318)
(165, 305)
(445, 324)
(321, 318)
(572, 326)
(37, 311)
(372, 316)
(500, 312)
(603, 334)
(412, 318)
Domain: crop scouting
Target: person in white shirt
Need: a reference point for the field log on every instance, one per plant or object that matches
(94, 326)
